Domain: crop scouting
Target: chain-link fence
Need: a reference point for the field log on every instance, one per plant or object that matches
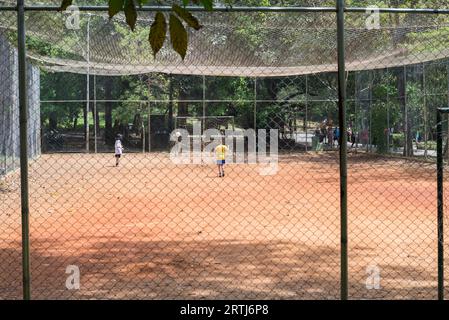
(137, 222)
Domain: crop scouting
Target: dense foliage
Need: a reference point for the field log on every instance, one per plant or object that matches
(395, 112)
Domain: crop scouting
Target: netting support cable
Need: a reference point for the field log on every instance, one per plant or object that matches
(343, 148)
(25, 210)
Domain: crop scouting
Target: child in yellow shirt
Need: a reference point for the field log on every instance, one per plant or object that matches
(220, 152)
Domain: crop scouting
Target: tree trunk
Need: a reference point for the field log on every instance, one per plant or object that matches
(75, 121)
(270, 84)
(96, 122)
(53, 121)
(183, 108)
(137, 124)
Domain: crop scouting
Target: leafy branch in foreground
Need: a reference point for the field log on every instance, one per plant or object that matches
(178, 16)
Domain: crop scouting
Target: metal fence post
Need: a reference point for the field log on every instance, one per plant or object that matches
(95, 114)
(307, 111)
(23, 110)
(203, 122)
(255, 105)
(440, 217)
(343, 147)
(88, 85)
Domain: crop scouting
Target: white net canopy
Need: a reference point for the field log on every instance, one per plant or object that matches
(258, 44)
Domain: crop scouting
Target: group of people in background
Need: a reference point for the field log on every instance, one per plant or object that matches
(329, 134)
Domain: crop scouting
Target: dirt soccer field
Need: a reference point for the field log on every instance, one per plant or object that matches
(152, 229)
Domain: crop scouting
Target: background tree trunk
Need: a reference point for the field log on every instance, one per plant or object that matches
(53, 121)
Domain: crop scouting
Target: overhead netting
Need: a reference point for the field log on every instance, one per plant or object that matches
(231, 43)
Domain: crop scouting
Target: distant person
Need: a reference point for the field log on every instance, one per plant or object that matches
(352, 138)
(418, 137)
(220, 152)
(323, 133)
(330, 136)
(337, 135)
(318, 138)
(118, 149)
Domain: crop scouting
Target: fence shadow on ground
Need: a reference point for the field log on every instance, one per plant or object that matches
(220, 269)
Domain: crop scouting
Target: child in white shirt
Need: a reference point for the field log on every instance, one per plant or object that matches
(118, 149)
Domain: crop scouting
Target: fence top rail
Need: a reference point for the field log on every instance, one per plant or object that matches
(241, 9)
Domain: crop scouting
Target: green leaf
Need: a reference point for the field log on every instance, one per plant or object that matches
(130, 13)
(65, 4)
(187, 17)
(208, 4)
(115, 6)
(178, 36)
(158, 33)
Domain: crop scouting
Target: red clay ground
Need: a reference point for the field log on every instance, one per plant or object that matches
(152, 229)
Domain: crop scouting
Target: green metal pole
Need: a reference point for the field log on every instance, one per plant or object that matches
(255, 105)
(170, 104)
(23, 110)
(343, 147)
(440, 206)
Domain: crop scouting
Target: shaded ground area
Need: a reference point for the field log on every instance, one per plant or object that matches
(152, 229)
